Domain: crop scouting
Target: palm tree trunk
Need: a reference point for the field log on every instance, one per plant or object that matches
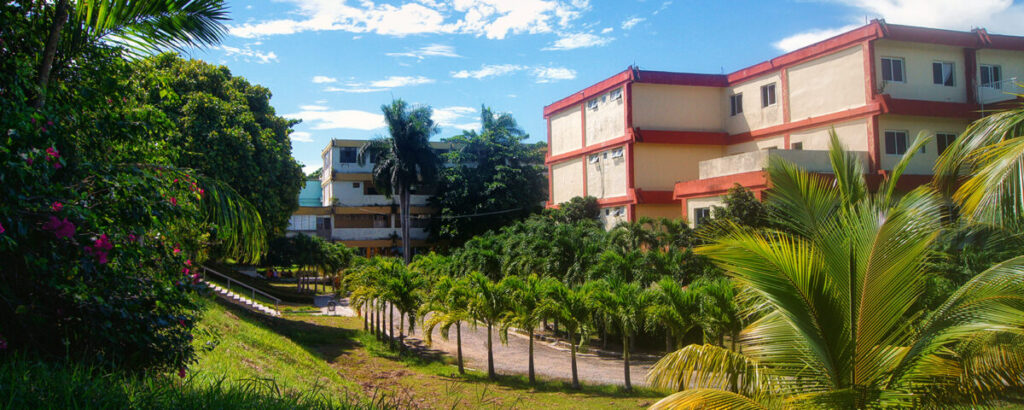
(458, 343)
(532, 377)
(404, 207)
(575, 374)
(490, 354)
(625, 359)
(401, 332)
(391, 324)
(50, 52)
(363, 312)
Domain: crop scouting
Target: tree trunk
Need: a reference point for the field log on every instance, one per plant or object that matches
(625, 359)
(668, 342)
(404, 207)
(533, 379)
(490, 354)
(363, 312)
(575, 374)
(391, 324)
(458, 343)
(401, 332)
(604, 336)
(50, 51)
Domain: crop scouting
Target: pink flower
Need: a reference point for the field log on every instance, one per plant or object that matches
(56, 206)
(50, 123)
(29, 160)
(43, 129)
(175, 180)
(188, 262)
(53, 153)
(132, 237)
(185, 271)
(181, 322)
(57, 165)
(60, 228)
(32, 120)
(174, 201)
(201, 192)
(181, 372)
(100, 247)
(176, 250)
(2, 230)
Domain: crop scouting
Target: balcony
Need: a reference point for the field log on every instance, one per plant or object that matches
(365, 234)
(813, 161)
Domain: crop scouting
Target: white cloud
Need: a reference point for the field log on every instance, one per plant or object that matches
(301, 136)
(628, 24)
(400, 81)
(552, 74)
(329, 120)
(488, 70)
(354, 90)
(451, 116)
(809, 37)
(433, 50)
(997, 16)
(306, 169)
(607, 30)
(247, 54)
(569, 41)
(321, 79)
(314, 108)
(493, 19)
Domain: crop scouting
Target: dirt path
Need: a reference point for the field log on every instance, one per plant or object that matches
(550, 361)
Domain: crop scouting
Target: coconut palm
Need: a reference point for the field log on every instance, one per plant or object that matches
(571, 307)
(490, 305)
(447, 305)
(529, 304)
(841, 329)
(403, 160)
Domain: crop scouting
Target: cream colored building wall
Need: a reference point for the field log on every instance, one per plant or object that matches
(777, 142)
(1011, 63)
(670, 211)
(917, 60)
(827, 84)
(853, 135)
(613, 215)
(677, 107)
(566, 130)
(660, 166)
(606, 173)
(607, 119)
(706, 202)
(753, 116)
(923, 163)
(566, 180)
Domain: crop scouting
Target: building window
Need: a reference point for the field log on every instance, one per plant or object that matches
(942, 73)
(617, 153)
(701, 215)
(347, 155)
(892, 69)
(944, 140)
(991, 76)
(620, 211)
(895, 142)
(767, 95)
(798, 146)
(592, 104)
(595, 159)
(736, 104)
(355, 185)
(617, 94)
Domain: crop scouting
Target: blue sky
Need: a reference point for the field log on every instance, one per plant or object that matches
(333, 63)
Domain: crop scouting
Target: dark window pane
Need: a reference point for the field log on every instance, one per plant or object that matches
(901, 143)
(890, 142)
(886, 69)
(897, 70)
(937, 73)
(739, 103)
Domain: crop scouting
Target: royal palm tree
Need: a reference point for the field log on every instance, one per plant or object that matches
(448, 305)
(404, 160)
(841, 328)
(571, 307)
(529, 304)
(490, 305)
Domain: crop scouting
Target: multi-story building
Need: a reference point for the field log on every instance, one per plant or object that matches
(349, 209)
(652, 143)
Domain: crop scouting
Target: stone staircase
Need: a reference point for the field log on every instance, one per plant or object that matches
(241, 300)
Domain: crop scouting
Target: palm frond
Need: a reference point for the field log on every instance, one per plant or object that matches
(712, 367)
(151, 26)
(708, 399)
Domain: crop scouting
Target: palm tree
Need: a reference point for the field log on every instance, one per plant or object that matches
(571, 307)
(841, 328)
(673, 308)
(639, 235)
(490, 305)
(719, 314)
(447, 305)
(626, 306)
(406, 288)
(404, 160)
(141, 27)
(529, 305)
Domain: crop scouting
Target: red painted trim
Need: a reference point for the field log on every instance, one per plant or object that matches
(831, 45)
(631, 209)
(970, 74)
(588, 150)
(617, 200)
(547, 154)
(868, 49)
(784, 75)
(785, 141)
(584, 164)
(873, 142)
(673, 78)
(683, 211)
(583, 125)
(654, 197)
(924, 108)
(719, 185)
(630, 168)
(628, 102)
(600, 87)
(840, 116)
(682, 137)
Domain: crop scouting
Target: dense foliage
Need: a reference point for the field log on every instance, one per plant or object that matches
(100, 232)
(225, 127)
(329, 258)
(492, 179)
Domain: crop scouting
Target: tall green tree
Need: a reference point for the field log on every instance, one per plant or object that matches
(571, 307)
(226, 128)
(529, 304)
(448, 304)
(674, 309)
(841, 327)
(493, 175)
(403, 160)
(490, 305)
